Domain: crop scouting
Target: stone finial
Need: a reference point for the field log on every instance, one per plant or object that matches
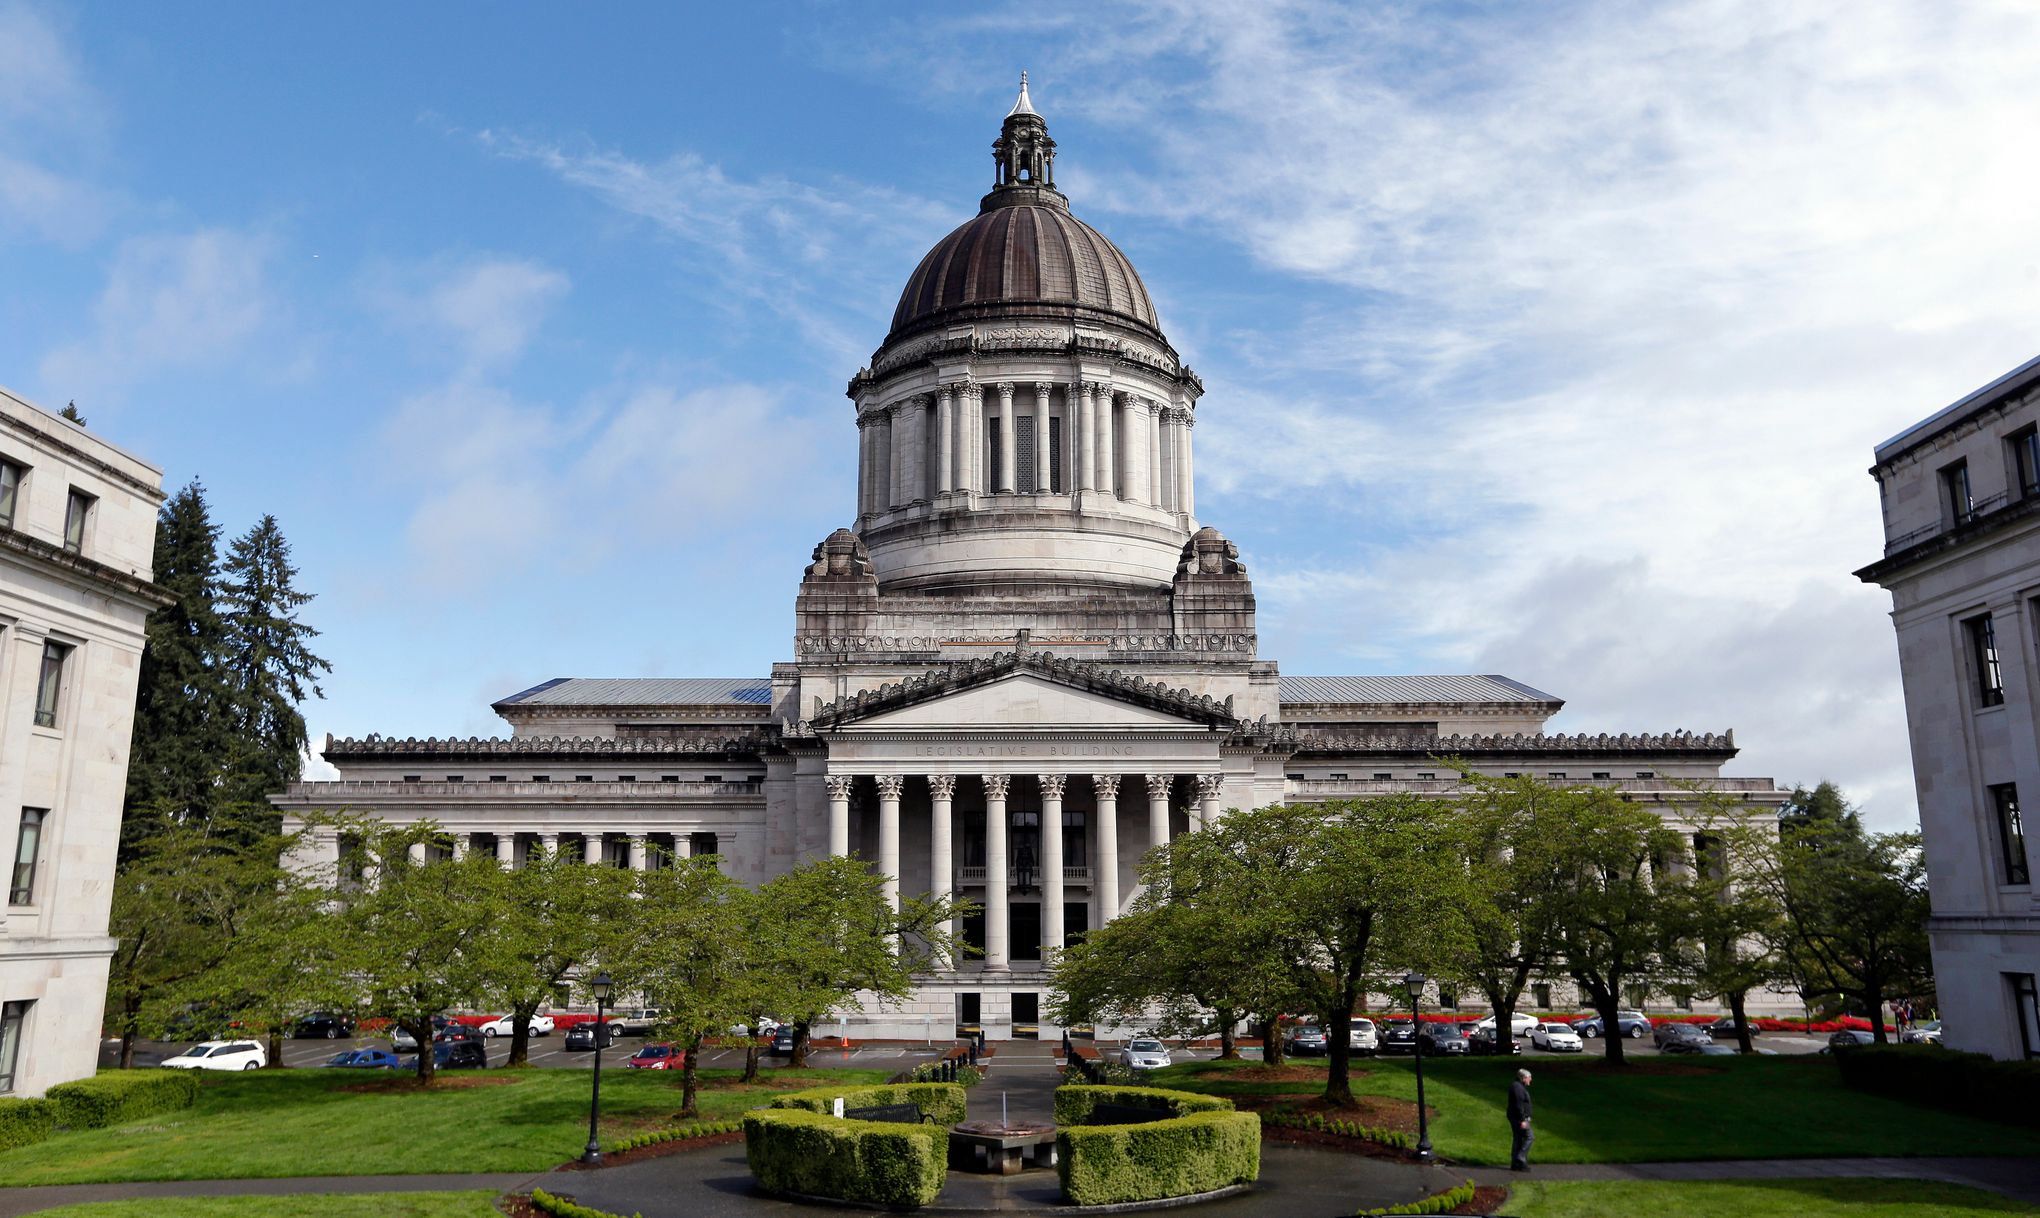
(840, 555)
(1209, 553)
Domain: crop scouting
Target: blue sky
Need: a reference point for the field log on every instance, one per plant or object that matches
(1549, 341)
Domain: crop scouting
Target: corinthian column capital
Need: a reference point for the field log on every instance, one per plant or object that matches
(1107, 785)
(1158, 784)
(1052, 785)
(889, 785)
(1042, 389)
(839, 786)
(996, 784)
(942, 786)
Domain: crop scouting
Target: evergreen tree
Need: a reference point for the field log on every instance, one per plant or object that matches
(70, 411)
(268, 663)
(180, 724)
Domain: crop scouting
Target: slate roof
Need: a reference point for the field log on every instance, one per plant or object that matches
(1488, 688)
(645, 691)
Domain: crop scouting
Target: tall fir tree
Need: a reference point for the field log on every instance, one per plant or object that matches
(268, 665)
(180, 733)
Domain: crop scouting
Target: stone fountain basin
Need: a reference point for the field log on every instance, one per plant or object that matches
(1000, 1149)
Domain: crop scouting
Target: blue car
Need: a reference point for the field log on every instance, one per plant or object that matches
(363, 1059)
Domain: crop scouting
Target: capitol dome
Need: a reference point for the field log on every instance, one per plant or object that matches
(1017, 251)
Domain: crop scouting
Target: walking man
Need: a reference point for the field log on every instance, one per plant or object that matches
(1519, 1122)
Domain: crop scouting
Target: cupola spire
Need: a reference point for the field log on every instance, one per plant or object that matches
(1023, 158)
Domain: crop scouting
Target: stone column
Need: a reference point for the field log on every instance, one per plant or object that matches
(945, 441)
(637, 852)
(1008, 460)
(1158, 808)
(591, 848)
(506, 849)
(1083, 476)
(1052, 927)
(1042, 481)
(839, 815)
(970, 407)
(998, 914)
(889, 836)
(914, 460)
(895, 473)
(1108, 442)
(1165, 443)
(1133, 450)
(415, 852)
(941, 867)
(1189, 488)
(1208, 788)
(549, 845)
(460, 846)
(865, 447)
(1105, 859)
(1151, 433)
(683, 845)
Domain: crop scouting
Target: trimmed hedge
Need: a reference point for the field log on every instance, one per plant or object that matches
(1073, 1104)
(1970, 1083)
(1197, 1153)
(1437, 1203)
(794, 1150)
(1318, 1123)
(25, 1122)
(114, 1097)
(561, 1208)
(678, 1133)
(946, 1103)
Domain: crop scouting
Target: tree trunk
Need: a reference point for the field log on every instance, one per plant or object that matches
(1505, 1024)
(1606, 1004)
(422, 1033)
(800, 1038)
(751, 1056)
(1742, 1022)
(1271, 1041)
(520, 1033)
(1876, 1004)
(130, 1014)
(1339, 1079)
(275, 1049)
(689, 1081)
(1228, 1039)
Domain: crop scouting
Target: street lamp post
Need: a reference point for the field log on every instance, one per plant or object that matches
(1414, 982)
(598, 985)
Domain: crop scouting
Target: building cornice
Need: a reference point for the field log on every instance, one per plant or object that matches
(538, 747)
(1686, 744)
(152, 491)
(1976, 528)
(91, 571)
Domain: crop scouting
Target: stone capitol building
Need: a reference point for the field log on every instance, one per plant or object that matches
(1024, 663)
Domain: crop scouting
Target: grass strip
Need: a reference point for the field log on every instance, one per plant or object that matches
(1757, 1199)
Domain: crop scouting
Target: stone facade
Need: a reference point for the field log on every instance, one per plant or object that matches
(1025, 664)
(77, 536)
(1961, 499)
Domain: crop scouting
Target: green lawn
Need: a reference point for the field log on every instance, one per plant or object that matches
(1729, 1108)
(295, 1205)
(305, 1123)
(1757, 1199)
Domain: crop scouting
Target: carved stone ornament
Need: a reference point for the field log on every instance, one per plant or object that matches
(996, 784)
(889, 785)
(1158, 785)
(1709, 744)
(1209, 785)
(942, 786)
(839, 785)
(1032, 336)
(1052, 785)
(939, 682)
(1042, 390)
(1209, 553)
(1106, 785)
(845, 644)
(840, 555)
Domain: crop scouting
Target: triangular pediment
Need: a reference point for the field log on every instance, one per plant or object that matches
(1026, 702)
(1022, 689)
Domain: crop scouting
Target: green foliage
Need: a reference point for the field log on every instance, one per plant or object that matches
(688, 949)
(1818, 1198)
(561, 1208)
(966, 1076)
(1437, 1203)
(24, 1122)
(792, 1150)
(1970, 1083)
(1317, 1122)
(678, 1133)
(944, 1102)
(555, 915)
(1073, 1105)
(109, 1099)
(1179, 1157)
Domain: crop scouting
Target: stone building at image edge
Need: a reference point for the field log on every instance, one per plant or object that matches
(1024, 663)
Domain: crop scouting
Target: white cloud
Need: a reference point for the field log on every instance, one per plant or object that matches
(488, 306)
(170, 301)
(48, 114)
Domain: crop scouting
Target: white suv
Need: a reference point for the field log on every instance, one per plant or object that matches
(1363, 1038)
(220, 1055)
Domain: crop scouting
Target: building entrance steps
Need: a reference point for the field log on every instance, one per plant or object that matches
(1025, 1074)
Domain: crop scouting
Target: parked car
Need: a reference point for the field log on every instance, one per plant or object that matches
(537, 1025)
(1698, 1044)
(460, 1055)
(455, 1032)
(582, 1035)
(1928, 1033)
(1668, 1032)
(1847, 1038)
(1444, 1038)
(1307, 1041)
(1633, 1024)
(1142, 1053)
(1399, 1036)
(657, 1056)
(782, 1041)
(1519, 1024)
(637, 1021)
(323, 1025)
(363, 1059)
(1725, 1026)
(220, 1055)
(1361, 1037)
(1555, 1037)
(401, 1039)
(1482, 1042)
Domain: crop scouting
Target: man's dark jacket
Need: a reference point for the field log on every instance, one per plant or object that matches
(1519, 1103)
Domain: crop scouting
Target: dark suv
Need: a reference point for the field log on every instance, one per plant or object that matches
(460, 1055)
(1444, 1038)
(1399, 1036)
(323, 1025)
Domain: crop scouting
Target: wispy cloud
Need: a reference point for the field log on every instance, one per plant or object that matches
(48, 113)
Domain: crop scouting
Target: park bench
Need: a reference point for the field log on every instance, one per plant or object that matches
(898, 1114)
(1126, 1114)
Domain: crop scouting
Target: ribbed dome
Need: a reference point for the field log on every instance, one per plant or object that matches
(1025, 253)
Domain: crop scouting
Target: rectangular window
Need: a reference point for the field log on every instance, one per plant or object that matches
(1955, 489)
(711, 778)
(1600, 773)
(534, 778)
(1293, 777)
(1383, 776)
(12, 1016)
(626, 778)
(1554, 773)
(455, 778)
(1646, 773)
(2025, 1005)
(1026, 919)
(584, 778)
(1055, 457)
(1448, 998)
(2025, 448)
(1541, 992)
(1023, 451)
(992, 481)
(664, 778)
(414, 778)
(1076, 848)
(76, 509)
(499, 778)
(701, 844)
(1336, 777)
(1427, 775)
(2011, 832)
(27, 852)
(1076, 922)
(1983, 656)
(50, 684)
(10, 491)
(1026, 1008)
(967, 1005)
